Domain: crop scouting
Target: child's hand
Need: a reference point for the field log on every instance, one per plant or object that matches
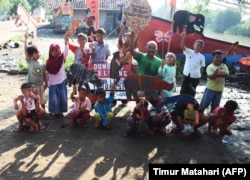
(66, 37)
(141, 102)
(91, 45)
(26, 36)
(183, 34)
(121, 26)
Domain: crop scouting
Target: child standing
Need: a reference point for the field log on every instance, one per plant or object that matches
(221, 118)
(216, 75)
(138, 120)
(194, 63)
(36, 71)
(57, 80)
(168, 73)
(82, 108)
(104, 114)
(82, 56)
(100, 49)
(30, 107)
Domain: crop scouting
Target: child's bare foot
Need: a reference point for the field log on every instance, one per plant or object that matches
(150, 132)
(36, 127)
(18, 128)
(207, 132)
(31, 129)
(84, 125)
(227, 132)
(176, 130)
(108, 127)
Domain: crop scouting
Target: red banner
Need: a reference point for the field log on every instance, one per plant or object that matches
(94, 7)
(172, 2)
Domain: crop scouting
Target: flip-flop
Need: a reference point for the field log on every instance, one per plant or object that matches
(18, 129)
(42, 127)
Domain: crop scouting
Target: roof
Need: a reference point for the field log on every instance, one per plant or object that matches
(81, 4)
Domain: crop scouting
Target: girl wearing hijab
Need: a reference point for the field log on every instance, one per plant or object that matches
(57, 80)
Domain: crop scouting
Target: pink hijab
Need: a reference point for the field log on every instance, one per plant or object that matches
(53, 63)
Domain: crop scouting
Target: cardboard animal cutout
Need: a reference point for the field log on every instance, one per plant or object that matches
(192, 22)
(83, 76)
(75, 24)
(149, 84)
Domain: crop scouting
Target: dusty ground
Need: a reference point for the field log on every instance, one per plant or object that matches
(63, 153)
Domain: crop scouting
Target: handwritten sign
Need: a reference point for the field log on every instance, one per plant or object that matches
(137, 14)
(103, 71)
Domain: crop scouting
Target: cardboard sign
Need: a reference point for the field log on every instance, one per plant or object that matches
(103, 70)
(137, 14)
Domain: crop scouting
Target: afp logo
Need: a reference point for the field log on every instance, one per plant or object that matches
(234, 172)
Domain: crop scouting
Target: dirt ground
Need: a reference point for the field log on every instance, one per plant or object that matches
(59, 152)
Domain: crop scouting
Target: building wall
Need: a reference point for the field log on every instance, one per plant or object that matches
(107, 19)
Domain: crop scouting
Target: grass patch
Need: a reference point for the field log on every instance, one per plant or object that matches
(17, 38)
(23, 66)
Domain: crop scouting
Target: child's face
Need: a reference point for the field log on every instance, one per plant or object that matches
(27, 91)
(99, 37)
(81, 40)
(55, 52)
(35, 55)
(190, 106)
(82, 94)
(100, 98)
(170, 59)
(217, 59)
(198, 46)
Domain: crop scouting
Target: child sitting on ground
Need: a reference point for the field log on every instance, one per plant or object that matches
(158, 119)
(30, 107)
(40, 113)
(103, 108)
(191, 119)
(221, 118)
(138, 120)
(82, 108)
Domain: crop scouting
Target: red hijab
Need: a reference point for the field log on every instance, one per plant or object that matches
(53, 63)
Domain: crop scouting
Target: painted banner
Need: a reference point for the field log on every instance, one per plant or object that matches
(94, 7)
(24, 17)
(66, 10)
(137, 14)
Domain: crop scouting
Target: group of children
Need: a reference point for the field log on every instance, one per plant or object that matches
(187, 117)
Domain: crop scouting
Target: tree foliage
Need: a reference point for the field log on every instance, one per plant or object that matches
(5, 6)
(15, 4)
(36, 3)
(10, 6)
(197, 6)
(225, 19)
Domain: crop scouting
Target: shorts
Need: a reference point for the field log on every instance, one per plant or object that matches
(31, 114)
